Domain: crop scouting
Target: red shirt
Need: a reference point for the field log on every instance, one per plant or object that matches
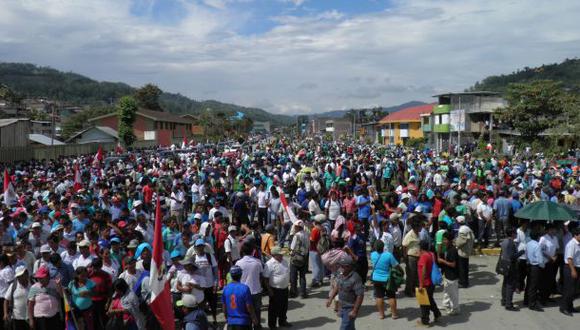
(147, 194)
(314, 238)
(103, 285)
(437, 207)
(425, 262)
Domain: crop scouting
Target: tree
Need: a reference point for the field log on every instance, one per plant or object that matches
(534, 107)
(148, 97)
(126, 110)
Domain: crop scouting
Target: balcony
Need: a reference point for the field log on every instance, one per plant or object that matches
(441, 128)
(442, 109)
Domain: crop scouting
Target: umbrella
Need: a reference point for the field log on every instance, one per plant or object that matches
(546, 210)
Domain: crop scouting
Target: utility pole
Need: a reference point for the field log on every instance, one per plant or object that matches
(461, 114)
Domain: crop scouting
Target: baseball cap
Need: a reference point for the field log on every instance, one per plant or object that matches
(42, 272)
(320, 218)
(175, 254)
(236, 270)
(189, 301)
(133, 244)
(84, 243)
(197, 216)
(36, 225)
(45, 249)
(276, 250)
(232, 228)
(199, 242)
(19, 271)
(460, 219)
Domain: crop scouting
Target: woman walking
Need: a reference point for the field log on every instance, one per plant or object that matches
(81, 290)
(383, 262)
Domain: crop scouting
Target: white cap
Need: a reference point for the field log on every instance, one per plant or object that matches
(19, 271)
(36, 225)
(45, 249)
(460, 219)
(189, 301)
(232, 228)
(137, 203)
(197, 216)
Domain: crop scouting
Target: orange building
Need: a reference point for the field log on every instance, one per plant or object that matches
(397, 127)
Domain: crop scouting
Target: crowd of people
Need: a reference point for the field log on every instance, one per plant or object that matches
(77, 238)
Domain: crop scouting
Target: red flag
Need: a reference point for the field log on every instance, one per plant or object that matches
(98, 157)
(160, 302)
(184, 142)
(9, 193)
(78, 184)
(288, 210)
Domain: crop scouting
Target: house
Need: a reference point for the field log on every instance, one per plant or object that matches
(397, 127)
(196, 128)
(335, 127)
(162, 127)
(460, 118)
(14, 132)
(43, 127)
(95, 134)
(261, 127)
(43, 140)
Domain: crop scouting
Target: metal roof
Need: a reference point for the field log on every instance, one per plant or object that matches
(105, 129)
(477, 93)
(44, 140)
(10, 121)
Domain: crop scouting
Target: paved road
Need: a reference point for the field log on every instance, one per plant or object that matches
(480, 308)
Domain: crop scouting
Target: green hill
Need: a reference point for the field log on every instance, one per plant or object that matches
(567, 72)
(29, 80)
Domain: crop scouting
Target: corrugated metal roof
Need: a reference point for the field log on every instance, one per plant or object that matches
(10, 121)
(108, 130)
(44, 140)
(407, 114)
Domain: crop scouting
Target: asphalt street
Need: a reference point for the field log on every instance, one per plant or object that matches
(480, 308)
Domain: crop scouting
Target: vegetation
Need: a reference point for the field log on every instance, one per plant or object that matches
(127, 109)
(539, 108)
(148, 97)
(567, 72)
(30, 81)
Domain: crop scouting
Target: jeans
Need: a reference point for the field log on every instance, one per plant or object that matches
(484, 231)
(296, 272)
(451, 296)
(431, 308)
(284, 230)
(317, 267)
(346, 323)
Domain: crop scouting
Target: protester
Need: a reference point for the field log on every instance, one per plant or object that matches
(507, 266)
(449, 262)
(237, 303)
(350, 291)
(383, 262)
(424, 268)
(277, 273)
(298, 260)
(43, 302)
(571, 273)
(15, 305)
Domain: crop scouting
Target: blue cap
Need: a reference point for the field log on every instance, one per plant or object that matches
(104, 243)
(175, 254)
(199, 242)
(236, 270)
(115, 240)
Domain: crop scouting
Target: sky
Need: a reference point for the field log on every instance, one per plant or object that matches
(292, 56)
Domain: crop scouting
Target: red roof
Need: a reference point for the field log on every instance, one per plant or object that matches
(407, 114)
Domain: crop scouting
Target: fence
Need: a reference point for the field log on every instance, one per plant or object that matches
(13, 154)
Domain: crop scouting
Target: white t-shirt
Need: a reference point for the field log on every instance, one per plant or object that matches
(251, 271)
(6, 276)
(231, 245)
(314, 208)
(82, 261)
(20, 300)
(205, 271)
(112, 269)
(277, 273)
(333, 209)
(68, 258)
(262, 199)
(186, 278)
(130, 278)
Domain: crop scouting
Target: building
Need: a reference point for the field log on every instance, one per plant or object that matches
(43, 127)
(335, 128)
(397, 127)
(14, 132)
(196, 128)
(95, 134)
(43, 140)
(162, 127)
(461, 118)
(261, 127)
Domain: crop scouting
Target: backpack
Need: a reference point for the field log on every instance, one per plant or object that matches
(323, 244)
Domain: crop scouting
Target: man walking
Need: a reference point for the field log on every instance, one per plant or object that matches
(237, 303)
(508, 265)
(277, 273)
(350, 290)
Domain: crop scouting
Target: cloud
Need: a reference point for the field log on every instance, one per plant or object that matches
(314, 61)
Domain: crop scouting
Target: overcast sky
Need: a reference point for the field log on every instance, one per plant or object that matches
(292, 56)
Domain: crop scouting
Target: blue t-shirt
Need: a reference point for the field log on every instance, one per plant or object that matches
(80, 302)
(235, 297)
(364, 211)
(503, 208)
(382, 263)
(358, 246)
